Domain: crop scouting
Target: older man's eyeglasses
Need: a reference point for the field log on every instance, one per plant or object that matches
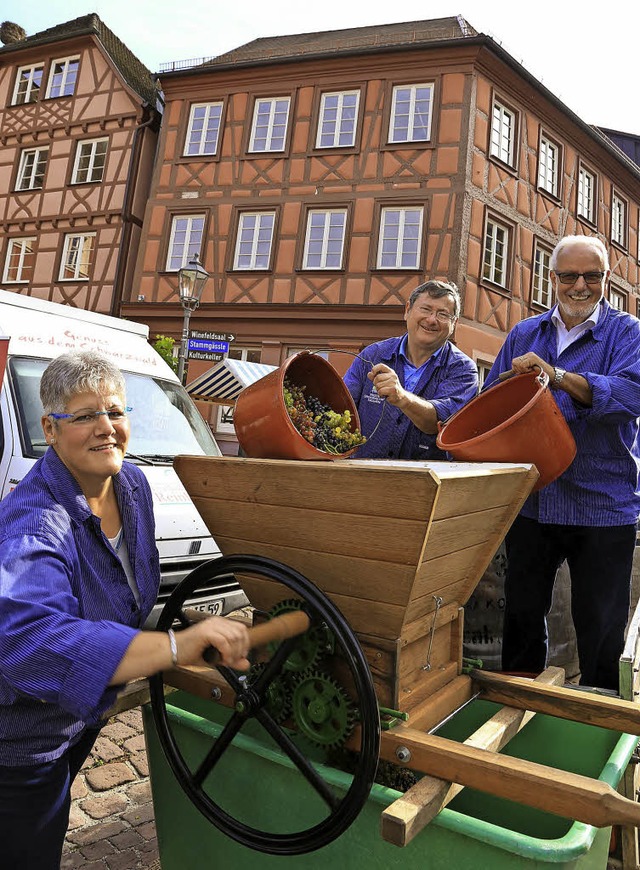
(572, 277)
(439, 314)
(88, 418)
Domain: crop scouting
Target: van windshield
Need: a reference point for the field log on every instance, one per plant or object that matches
(164, 419)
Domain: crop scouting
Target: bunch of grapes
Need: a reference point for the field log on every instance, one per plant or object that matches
(319, 424)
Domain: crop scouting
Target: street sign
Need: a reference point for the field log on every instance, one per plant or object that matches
(213, 336)
(210, 357)
(207, 345)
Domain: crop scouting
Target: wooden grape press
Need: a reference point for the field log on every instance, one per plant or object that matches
(361, 570)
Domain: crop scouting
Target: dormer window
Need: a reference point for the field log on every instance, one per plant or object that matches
(28, 84)
(62, 77)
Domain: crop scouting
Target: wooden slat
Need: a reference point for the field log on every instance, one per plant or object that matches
(331, 486)
(373, 580)
(406, 817)
(361, 616)
(572, 704)
(565, 794)
(501, 487)
(410, 696)
(372, 536)
(442, 703)
(421, 627)
(447, 535)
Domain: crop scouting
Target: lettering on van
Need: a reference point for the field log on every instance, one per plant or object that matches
(72, 341)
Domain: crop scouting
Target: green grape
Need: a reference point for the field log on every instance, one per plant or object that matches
(320, 425)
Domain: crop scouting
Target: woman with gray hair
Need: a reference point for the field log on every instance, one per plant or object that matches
(79, 574)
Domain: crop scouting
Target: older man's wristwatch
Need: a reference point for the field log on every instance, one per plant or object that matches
(558, 375)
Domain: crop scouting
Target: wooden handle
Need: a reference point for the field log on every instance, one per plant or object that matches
(274, 630)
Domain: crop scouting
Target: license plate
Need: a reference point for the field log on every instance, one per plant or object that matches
(212, 606)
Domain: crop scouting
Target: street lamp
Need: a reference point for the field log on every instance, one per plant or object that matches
(191, 281)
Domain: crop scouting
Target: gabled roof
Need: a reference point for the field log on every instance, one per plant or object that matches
(132, 70)
(330, 42)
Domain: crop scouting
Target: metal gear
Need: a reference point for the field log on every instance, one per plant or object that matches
(322, 710)
(278, 693)
(311, 645)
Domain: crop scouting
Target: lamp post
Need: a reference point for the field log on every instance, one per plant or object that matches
(191, 281)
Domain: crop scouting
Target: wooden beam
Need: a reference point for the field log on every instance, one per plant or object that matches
(573, 704)
(408, 815)
(560, 792)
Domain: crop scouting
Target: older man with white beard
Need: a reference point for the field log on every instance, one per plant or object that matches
(588, 516)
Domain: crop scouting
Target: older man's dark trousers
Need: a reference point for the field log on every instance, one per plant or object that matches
(600, 561)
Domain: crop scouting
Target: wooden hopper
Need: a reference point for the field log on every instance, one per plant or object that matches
(398, 546)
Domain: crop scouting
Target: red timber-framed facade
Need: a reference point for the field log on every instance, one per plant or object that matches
(321, 177)
(79, 120)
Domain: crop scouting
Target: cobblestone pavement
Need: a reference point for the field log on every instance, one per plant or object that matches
(111, 825)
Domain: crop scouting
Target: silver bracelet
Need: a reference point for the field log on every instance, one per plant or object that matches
(174, 648)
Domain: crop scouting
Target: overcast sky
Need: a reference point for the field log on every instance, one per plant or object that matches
(587, 59)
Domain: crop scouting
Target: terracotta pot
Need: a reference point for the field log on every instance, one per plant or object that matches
(262, 423)
(517, 420)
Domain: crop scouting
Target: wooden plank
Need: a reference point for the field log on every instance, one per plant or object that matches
(573, 704)
(408, 815)
(422, 627)
(451, 567)
(411, 695)
(565, 794)
(501, 487)
(373, 580)
(446, 535)
(369, 536)
(438, 706)
(331, 486)
(361, 615)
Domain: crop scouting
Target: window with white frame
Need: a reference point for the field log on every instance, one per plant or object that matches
(255, 237)
(28, 84)
(62, 77)
(324, 239)
(483, 371)
(586, 203)
(503, 134)
(77, 256)
(549, 166)
(542, 290)
(91, 156)
(411, 111)
(203, 130)
(185, 240)
(400, 238)
(19, 262)
(617, 299)
(33, 163)
(224, 413)
(496, 249)
(269, 127)
(338, 119)
(618, 221)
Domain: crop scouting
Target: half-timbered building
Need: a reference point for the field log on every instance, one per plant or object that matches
(320, 177)
(79, 119)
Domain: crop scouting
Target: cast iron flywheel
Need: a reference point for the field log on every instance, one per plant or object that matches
(251, 702)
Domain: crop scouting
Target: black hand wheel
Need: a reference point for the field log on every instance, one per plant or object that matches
(251, 703)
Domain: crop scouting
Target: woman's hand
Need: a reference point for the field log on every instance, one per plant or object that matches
(150, 651)
(229, 637)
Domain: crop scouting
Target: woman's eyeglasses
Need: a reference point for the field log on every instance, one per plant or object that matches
(86, 418)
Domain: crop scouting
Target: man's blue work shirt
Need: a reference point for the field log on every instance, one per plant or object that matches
(600, 487)
(449, 379)
(67, 612)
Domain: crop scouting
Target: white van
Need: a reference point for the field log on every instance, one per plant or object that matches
(164, 422)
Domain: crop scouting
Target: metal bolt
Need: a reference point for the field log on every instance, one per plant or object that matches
(403, 753)
(216, 693)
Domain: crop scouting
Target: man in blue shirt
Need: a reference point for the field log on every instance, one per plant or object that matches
(588, 516)
(421, 375)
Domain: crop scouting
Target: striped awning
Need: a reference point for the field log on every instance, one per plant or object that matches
(224, 382)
